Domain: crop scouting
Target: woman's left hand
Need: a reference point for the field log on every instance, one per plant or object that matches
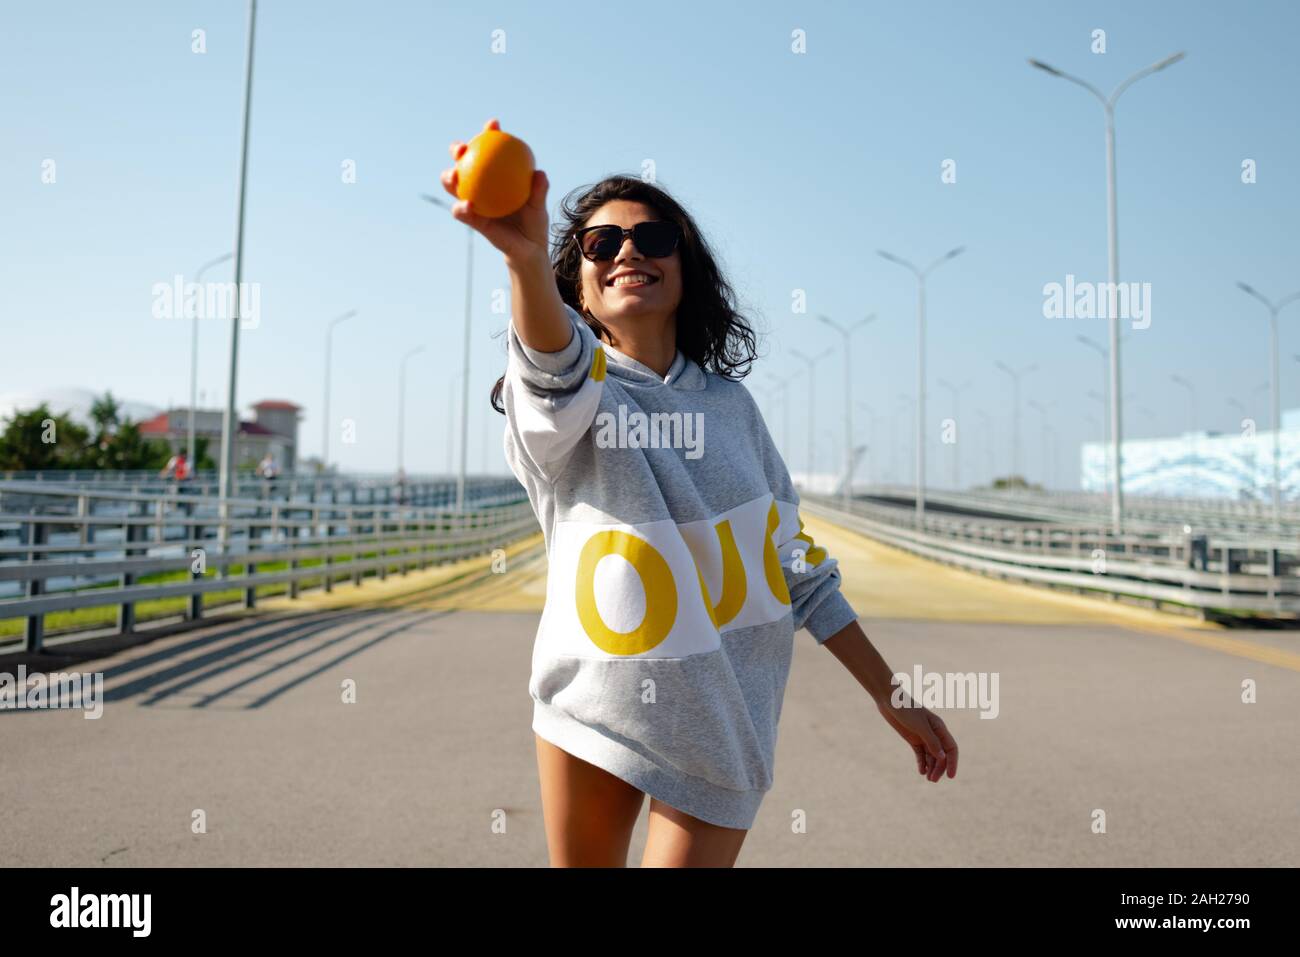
(936, 750)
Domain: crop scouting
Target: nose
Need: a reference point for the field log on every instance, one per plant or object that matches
(628, 251)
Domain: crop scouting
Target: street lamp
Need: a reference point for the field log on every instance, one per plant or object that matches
(812, 392)
(1273, 309)
(1191, 426)
(1015, 410)
(230, 423)
(847, 333)
(401, 407)
(920, 275)
(325, 421)
(1048, 458)
(871, 447)
(783, 386)
(1112, 236)
(464, 394)
(988, 443)
(194, 356)
(956, 391)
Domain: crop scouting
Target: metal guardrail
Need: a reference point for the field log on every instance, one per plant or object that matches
(1190, 570)
(72, 548)
(350, 488)
(1146, 512)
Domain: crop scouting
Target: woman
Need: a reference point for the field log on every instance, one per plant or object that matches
(678, 568)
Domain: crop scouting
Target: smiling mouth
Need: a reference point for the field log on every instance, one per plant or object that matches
(636, 282)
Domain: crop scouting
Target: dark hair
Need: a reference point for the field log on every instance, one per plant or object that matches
(710, 330)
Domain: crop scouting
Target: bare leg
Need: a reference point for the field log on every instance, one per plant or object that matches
(589, 813)
(676, 839)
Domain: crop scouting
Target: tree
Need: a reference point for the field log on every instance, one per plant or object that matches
(128, 449)
(105, 412)
(39, 439)
(203, 462)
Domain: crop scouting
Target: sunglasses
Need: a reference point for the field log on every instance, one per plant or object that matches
(655, 239)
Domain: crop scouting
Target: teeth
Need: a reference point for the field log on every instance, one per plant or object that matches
(636, 279)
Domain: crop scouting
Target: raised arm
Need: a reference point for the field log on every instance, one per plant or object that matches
(537, 310)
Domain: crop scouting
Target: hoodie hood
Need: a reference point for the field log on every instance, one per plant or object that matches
(683, 374)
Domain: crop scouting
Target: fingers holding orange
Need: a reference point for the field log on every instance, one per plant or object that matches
(494, 171)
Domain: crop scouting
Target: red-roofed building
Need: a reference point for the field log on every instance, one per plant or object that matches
(274, 429)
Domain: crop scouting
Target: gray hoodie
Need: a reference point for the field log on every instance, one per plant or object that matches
(678, 571)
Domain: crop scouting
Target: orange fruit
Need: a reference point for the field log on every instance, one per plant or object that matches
(495, 173)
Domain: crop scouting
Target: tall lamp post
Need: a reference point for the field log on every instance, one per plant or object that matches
(988, 444)
(1112, 234)
(194, 357)
(811, 362)
(464, 386)
(956, 391)
(230, 423)
(1015, 408)
(1191, 427)
(920, 365)
(401, 407)
(1049, 457)
(1273, 309)
(847, 333)
(872, 447)
(325, 415)
(783, 386)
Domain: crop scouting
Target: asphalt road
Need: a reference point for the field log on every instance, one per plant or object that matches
(1135, 714)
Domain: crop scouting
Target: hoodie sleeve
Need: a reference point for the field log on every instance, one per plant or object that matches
(550, 398)
(812, 576)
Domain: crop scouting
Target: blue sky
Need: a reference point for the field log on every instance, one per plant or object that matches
(798, 168)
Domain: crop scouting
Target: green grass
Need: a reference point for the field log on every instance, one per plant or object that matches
(105, 616)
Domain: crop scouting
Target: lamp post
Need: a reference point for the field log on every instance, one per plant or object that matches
(956, 391)
(464, 388)
(811, 362)
(230, 423)
(920, 275)
(847, 333)
(1015, 408)
(194, 358)
(1112, 236)
(872, 418)
(1273, 309)
(988, 444)
(401, 407)
(783, 386)
(1046, 430)
(325, 420)
(1191, 426)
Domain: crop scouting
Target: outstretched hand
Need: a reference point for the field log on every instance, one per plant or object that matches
(521, 236)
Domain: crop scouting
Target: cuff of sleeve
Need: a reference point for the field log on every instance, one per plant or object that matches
(554, 362)
(830, 616)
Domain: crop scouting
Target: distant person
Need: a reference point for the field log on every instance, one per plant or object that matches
(266, 468)
(177, 467)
